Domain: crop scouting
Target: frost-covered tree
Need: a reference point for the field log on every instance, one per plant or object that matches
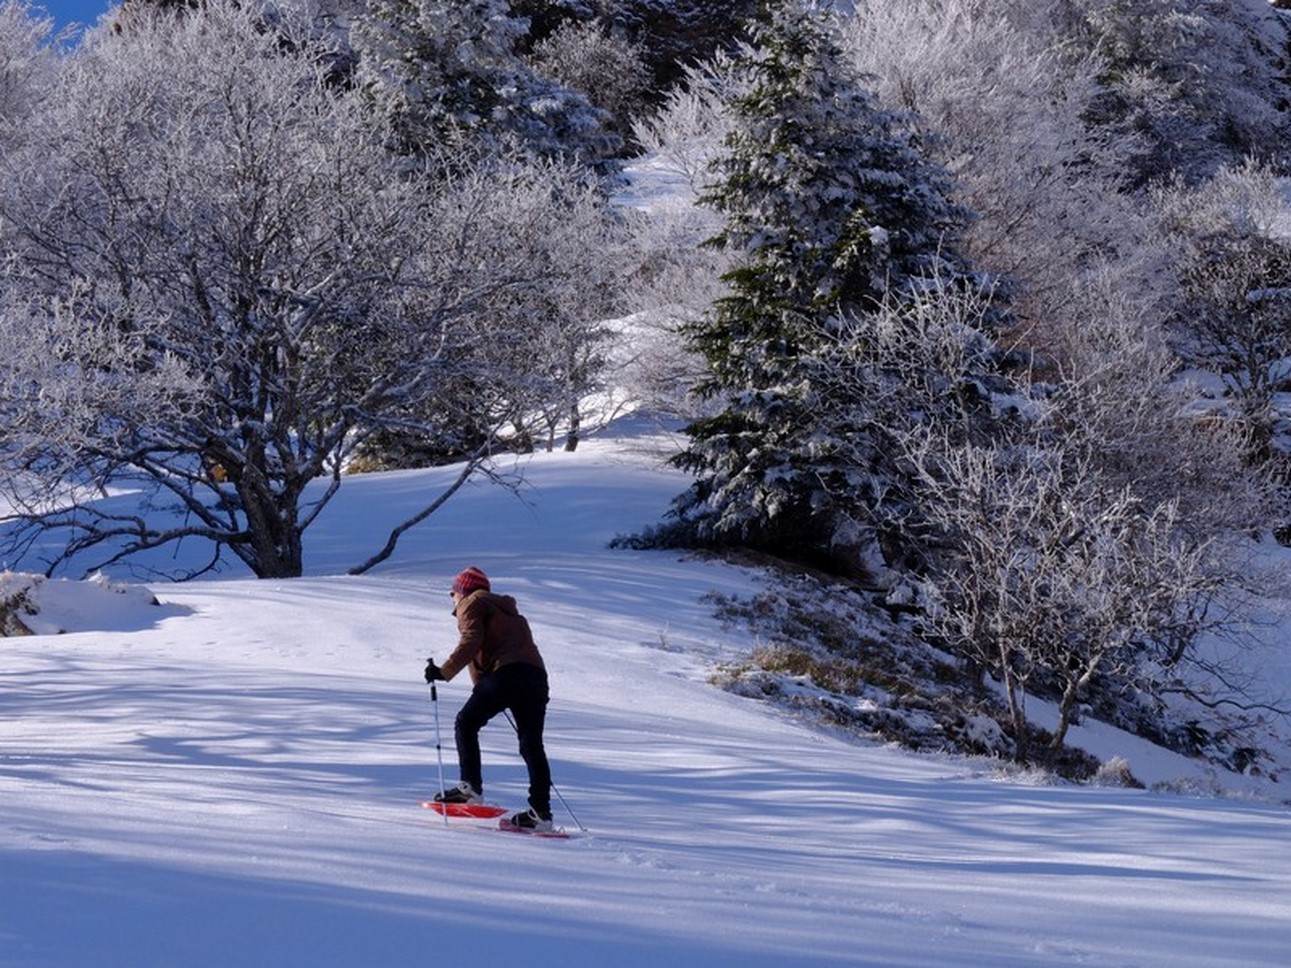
(1057, 581)
(451, 74)
(545, 333)
(1232, 316)
(215, 290)
(1021, 103)
(1082, 552)
(832, 211)
(685, 134)
(676, 278)
(27, 64)
(1117, 393)
(577, 258)
(608, 70)
(1052, 115)
(178, 6)
(1007, 97)
(1201, 84)
(1239, 325)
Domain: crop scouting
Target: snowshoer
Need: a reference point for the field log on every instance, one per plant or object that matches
(497, 647)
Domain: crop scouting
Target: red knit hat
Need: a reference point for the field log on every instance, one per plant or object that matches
(470, 580)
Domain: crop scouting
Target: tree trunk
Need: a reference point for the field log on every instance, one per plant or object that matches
(575, 422)
(273, 548)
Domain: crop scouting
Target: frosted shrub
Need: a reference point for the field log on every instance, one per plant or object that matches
(1116, 772)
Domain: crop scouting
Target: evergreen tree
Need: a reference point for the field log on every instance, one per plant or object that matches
(836, 214)
(451, 73)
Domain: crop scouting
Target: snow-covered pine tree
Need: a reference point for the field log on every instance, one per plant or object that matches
(450, 73)
(834, 212)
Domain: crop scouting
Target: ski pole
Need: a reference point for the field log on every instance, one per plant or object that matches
(554, 789)
(439, 746)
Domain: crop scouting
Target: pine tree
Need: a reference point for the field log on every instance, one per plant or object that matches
(450, 72)
(836, 214)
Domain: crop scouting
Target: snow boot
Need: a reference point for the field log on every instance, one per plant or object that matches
(530, 820)
(462, 793)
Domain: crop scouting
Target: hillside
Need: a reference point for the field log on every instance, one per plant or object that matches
(231, 777)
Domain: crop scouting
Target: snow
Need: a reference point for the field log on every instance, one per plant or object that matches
(233, 776)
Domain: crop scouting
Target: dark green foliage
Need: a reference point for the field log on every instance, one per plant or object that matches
(834, 212)
(677, 33)
(451, 76)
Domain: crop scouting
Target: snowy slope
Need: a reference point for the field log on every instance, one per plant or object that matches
(232, 778)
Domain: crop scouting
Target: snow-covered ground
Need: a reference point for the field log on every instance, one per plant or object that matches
(232, 778)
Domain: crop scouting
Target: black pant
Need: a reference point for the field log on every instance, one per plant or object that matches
(523, 690)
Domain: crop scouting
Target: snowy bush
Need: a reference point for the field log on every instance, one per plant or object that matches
(1116, 772)
(608, 70)
(16, 604)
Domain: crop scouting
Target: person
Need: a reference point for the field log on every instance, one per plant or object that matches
(496, 646)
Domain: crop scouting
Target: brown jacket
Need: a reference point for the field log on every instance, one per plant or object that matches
(492, 634)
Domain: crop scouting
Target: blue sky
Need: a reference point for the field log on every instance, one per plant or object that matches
(78, 11)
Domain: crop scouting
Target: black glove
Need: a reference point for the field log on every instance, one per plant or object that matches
(433, 673)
